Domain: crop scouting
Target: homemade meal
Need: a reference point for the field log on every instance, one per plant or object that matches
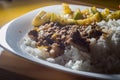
(87, 40)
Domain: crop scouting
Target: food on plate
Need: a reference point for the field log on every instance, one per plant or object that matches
(86, 40)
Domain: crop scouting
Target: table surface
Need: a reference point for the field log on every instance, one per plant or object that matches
(15, 68)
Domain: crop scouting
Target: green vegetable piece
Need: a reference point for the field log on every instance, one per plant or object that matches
(105, 13)
(54, 17)
(93, 10)
(77, 15)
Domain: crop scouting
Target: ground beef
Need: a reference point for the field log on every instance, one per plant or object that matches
(64, 35)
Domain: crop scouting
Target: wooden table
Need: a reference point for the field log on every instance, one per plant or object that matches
(13, 67)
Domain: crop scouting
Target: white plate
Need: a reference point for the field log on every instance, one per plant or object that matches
(14, 31)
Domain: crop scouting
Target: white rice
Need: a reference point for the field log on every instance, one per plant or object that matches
(100, 48)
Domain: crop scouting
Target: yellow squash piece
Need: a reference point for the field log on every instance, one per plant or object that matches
(114, 15)
(41, 18)
(71, 21)
(66, 9)
(95, 18)
(54, 35)
(65, 21)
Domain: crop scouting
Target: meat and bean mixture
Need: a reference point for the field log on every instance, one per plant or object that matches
(57, 37)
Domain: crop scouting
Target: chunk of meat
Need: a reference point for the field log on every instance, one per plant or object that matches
(56, 50)
(79, 42)
(33, 34)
